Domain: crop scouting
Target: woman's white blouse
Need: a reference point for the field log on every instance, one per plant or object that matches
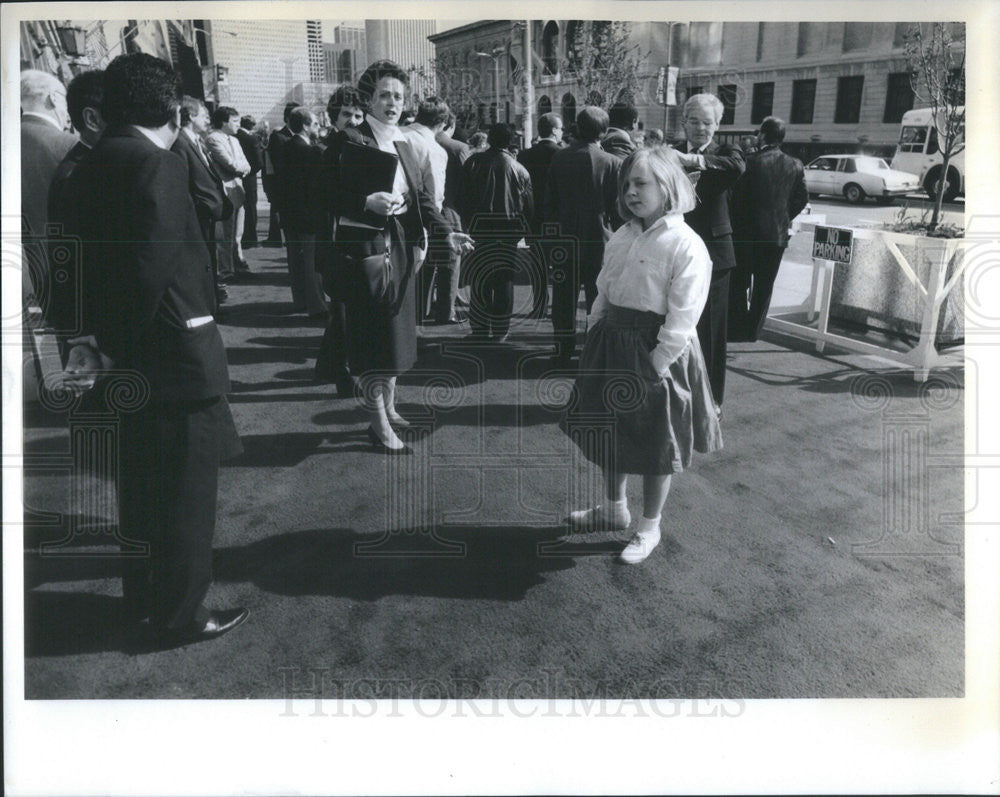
(386, 137)
(665, 269)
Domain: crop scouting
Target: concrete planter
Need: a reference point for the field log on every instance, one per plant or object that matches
(907, 286)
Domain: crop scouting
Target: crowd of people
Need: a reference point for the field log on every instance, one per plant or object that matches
(675, 247)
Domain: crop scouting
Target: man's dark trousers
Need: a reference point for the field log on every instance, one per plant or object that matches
(759, 262)
(567, 278)
(491, 270)
(167, 488)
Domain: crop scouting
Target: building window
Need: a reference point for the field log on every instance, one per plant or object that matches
(568, 109)
(544, 104)
(727, 94)
(550, 49)
(848, 99)
(694, 90)
(704, 44)
(763, 102)
(898, 97)
(803, 101)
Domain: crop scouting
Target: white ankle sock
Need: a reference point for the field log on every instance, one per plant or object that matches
(647, 524)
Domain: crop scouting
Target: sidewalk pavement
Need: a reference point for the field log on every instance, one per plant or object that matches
(818, 555)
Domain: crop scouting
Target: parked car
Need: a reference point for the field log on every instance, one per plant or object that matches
(858, 176)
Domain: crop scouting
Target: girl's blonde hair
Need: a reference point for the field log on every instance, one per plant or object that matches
(665, 166)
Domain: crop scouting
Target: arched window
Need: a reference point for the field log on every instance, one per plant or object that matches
(544, 104)
(568, 109)
(550, 49)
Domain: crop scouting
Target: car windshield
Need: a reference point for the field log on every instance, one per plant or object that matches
(871, 164)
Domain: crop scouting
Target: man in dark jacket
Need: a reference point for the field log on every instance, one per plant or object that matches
(581, 199)
(83, 101)
(537, 161)
(714, 168)
(496, 200)
(302, 213)
(209, 195)
(147, 305)
(255, 157)
(622, 119)
(273, 183)
(770, 194)
(345, 109)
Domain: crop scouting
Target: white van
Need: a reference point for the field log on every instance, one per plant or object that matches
(918, 154)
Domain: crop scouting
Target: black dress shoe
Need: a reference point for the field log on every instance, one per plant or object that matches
(217, 624)
(382, 448)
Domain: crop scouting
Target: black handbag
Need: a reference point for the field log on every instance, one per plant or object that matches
(380, 277)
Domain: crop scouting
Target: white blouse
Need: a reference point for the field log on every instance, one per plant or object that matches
(385, 137)
(665, 269)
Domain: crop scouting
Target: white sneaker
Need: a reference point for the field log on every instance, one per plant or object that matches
(600, 518)
(640, 546)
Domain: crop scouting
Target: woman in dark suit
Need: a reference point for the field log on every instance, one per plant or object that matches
(381, 314)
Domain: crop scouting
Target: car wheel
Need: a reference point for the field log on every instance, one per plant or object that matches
(950, 190)
(854, 193)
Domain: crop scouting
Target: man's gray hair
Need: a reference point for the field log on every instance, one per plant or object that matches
(705, 102)
(36, 86)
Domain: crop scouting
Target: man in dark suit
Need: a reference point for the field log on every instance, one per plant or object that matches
(770, 194)
(496, 197)
(255, 157)
(345, 109)
(148, 307)
(622, 118)
(44, 143)
(537, 160)
(301, 160)
(83, 101)
(447, 264)
(714, 169)
(204, 184)
(581, 197)
(276, 154)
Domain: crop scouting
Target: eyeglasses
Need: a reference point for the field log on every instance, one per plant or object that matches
(698, 123)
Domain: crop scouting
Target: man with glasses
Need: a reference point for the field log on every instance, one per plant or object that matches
(714, 169)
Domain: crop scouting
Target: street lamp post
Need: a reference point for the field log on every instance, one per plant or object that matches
(495, 55)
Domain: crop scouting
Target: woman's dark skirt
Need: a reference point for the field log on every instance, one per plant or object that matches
(380, 338)
(626, 418)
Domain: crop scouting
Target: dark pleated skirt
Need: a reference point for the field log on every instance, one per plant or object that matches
(379, 338)
(627, 419)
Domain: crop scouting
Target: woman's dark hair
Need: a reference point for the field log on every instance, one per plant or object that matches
(140, 89)
(375, 72)
(223, 114)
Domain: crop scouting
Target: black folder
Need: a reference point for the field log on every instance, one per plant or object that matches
(367, 170)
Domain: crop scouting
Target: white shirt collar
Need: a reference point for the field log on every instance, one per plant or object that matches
(304, 136)
(151, 136)
(46, 117)
(668, 220)
(384, 133)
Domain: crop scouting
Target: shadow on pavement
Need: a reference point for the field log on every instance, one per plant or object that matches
(495, 563)
(67, 623)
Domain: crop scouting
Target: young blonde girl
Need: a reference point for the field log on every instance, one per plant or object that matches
(642, 397)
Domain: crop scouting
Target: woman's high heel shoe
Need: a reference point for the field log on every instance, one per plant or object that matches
(381, 447)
